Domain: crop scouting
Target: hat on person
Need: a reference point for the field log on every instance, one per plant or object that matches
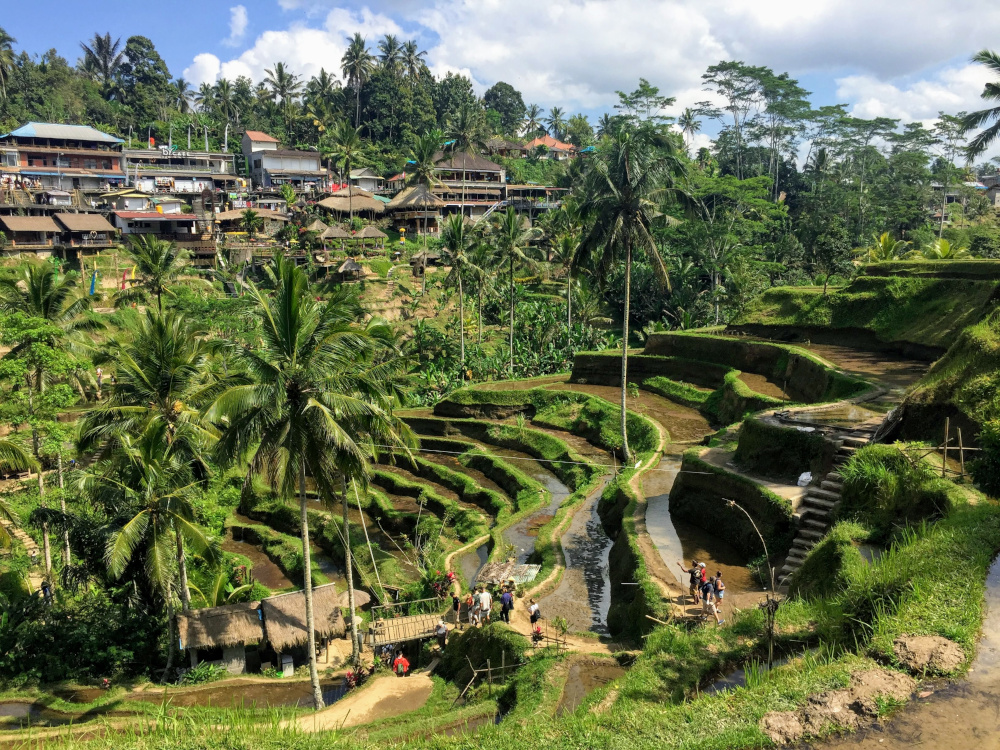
(701, 565)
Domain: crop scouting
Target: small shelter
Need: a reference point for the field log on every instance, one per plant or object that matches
(352, 198)
(30, 232)
(335, 234)
(86, 230)
(317, 226)
(350, 270)
(231, 628)
(421, 260)
(285, 617)
(417, 209)
(377, 236)
(232, 221)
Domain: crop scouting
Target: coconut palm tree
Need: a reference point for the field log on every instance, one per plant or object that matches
(941, 249)
(883, 248)
(989, 117)
(423, 165)
(413, 60)
(6, 60)
(318, 403)
(627, 183)
(468, 134)
(157, 263)
(104, 58)
(511, 240)
(224, 101)
(556, 123)
(357, 66)
(284, 85)
(221, 592)
(252, 222)
(390, 55)
(347, 148)
(459, 241)
(532, 120)
(204, 99)
(564, 253)
(689, 125)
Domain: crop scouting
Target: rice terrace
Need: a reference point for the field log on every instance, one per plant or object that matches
(348, 399)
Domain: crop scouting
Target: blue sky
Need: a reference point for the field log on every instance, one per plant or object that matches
(900, 59)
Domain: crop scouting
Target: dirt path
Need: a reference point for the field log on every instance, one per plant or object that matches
(382, 698)
(35, 577)
(723, 458)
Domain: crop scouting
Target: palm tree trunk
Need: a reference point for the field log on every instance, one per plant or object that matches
(357, 106)
(171, 641)
(626, 456)
(46, 547)
(569, 307)
(480, 312)
(461, 323)
(62, 502)
(512, 316)
(349, 567)
(307, 589)
(182, 574)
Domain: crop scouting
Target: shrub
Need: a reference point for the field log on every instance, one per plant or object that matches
(833, 563)
(497, 643)
(781, 452)
(986, 469)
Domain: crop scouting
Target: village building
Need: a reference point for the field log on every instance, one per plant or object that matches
(85, 234)
(508, 149)
(468, 183)
(36, 234)
(354, 200)
(367, 179)
(169, 170)
(271, 166)
(42, 155)
(416, 210)
(552, 148)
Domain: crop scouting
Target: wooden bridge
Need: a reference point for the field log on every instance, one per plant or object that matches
(383, 632)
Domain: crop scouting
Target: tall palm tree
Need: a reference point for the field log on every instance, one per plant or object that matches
(346, 148)
(511, 240)
(606, 125)
(689, 125)
(157, 263)
(532, 120)
(982, 117)
(390, 55)
(318, 404)
(626, 184)
(459, 241)
(205, 97)
(104, 59)
(6, 60)
(252, 222)
(564, 252)
(224, 101)
(423, 165)
(284, 85)
(184, 94)
(468, 134)
(556, 123)
(357, 66)
(413, 60)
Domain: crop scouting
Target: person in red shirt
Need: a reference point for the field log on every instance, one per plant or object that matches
(401, 666)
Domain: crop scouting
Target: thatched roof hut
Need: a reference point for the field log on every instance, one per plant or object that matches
(335, 233)
(317, 226)
(237, 215)
(285, 617)
(371, 233)
(229, 625)
(361, 599)
(345, 199)
(416, 198)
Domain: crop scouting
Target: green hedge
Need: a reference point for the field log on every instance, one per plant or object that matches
(973, 268)
(461, 484)
(468, 524)
(681, 393)
(527, 492)
(699, 496)
(781, 453)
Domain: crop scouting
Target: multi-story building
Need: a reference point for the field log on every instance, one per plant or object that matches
(169, 170)
(468, 183)
(42, 155)
(271, 166)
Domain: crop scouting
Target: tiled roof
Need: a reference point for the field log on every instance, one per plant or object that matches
(261, 136)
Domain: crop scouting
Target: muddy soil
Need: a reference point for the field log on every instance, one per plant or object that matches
(677, 540)
(257, 693)
(585, 676)
(948, 715)
(264, 570)
(453, 463)
(764, 385)
(883, 367)
(584, 593)
(471, 562)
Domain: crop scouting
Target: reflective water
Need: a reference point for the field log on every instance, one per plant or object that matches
(585, 676)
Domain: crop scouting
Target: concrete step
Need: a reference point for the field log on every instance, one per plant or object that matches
(855, 442)
(823, 494)
(796, 556)
(831, 485)
(788, 570)
(811, 534)
(834, 476)
(813, 523)
(816, 506)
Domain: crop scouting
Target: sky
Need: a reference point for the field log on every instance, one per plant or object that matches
(906, 59)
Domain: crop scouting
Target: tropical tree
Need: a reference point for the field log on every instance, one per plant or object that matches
(390, 55)
(184, 93)
(989, 118)
(627, 183)
(12, 458)
(284, 85)
(224, 102)
(357, 65)
(423, 164)
(689, 125)
(942, 249)
(459, 241)
(252, 222)
(6, 60)
(564, 252)
(413, 60)
(511, 240)
(467, 133)
(883, 248)
(221, 592)
(346, 148)
(556, 122)
(318, 404)
(157, 264)
(532, 120)
(204, 99)
(103, 59)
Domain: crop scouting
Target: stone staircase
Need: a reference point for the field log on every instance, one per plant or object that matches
(815, 509)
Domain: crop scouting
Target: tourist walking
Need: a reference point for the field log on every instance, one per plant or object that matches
(533, 611)
(485, 604)
(456, 606)
(473, 610)
(506, 605)
(694, 578)
(708, 608)
(401, 666)
(441, 631)
(720, 590)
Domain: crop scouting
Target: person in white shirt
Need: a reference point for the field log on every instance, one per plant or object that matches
(485, 604)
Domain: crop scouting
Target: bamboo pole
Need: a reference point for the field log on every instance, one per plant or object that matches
(944, 458)
(961, 452)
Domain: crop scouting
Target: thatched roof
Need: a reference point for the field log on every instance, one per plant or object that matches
(371, 233)
(350, 266)
(463, 160)
(416, 197)
(361, 599)
(228, 625)
(317, 226)
(285, 617)
(344, 199)
(336, 233)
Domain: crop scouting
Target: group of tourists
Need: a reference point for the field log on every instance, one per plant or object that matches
(705, 590)
(479, 604)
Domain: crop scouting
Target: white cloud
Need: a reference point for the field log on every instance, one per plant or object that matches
(952, 90)
(238, 21)
(880, 56)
